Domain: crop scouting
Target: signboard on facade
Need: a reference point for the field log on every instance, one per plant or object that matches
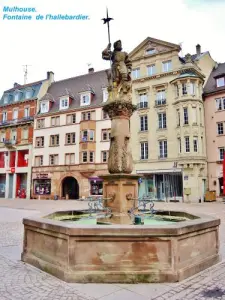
(12, 170)
(41, 176)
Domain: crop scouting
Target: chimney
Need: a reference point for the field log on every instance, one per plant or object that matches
(91, 70)
(16, 85)
(50, 77)
(198, 49)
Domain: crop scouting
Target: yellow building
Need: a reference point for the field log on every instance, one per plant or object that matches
(168, 130)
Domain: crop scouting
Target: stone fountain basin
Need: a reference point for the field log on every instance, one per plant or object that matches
(121, 253)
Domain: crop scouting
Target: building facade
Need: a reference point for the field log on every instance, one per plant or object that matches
(18, 107)
(71, 139)
(168, 129)
(214, 104)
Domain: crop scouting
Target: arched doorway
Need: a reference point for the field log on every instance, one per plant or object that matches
(70, 187)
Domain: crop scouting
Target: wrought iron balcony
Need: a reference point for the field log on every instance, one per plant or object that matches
(9, 143)
(16, 121)
(141, 105)
(159, 102)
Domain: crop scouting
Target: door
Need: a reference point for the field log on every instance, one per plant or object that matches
(10, 195)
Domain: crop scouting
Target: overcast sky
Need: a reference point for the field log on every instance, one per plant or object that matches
(66, 47)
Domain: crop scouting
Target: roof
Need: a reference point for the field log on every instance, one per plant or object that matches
(93, 82)
(195, 57)
(34, 88)
(210, 86)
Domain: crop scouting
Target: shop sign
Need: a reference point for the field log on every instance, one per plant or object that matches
(12, 170)
(41, 176)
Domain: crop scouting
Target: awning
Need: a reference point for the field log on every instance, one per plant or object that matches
(158, 171)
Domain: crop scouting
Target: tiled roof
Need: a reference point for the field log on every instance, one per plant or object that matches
(93, 82)
(195, 56)
(210, 86)
(19, 86)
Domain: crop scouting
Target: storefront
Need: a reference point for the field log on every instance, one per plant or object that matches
(41, 184)
(162, 186)
(96, 186)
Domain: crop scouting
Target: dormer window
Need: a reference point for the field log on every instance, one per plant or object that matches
(44, 107)
(105, 94)
(6, 98)
(29, 93)
(150, 51)
(64, 103)
(17, 96)
(220, 82)
(85, 99)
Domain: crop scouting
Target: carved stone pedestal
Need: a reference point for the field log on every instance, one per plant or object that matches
(120, 192)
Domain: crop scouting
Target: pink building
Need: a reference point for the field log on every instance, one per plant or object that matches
(214, 104)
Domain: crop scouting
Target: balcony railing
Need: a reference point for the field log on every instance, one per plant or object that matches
(16, 121)
(141, 105)
(9, 143)
(159, 102)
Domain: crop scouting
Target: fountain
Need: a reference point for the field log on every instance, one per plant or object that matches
(120, 239)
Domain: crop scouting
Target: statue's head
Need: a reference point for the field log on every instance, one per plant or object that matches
(118, 45)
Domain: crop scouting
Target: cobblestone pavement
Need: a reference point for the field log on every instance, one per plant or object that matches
(19, 281)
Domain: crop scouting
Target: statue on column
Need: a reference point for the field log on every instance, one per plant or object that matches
(120, 77)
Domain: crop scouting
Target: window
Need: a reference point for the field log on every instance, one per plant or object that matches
(202, 144)
(13, 134)
(85, 99)
(179, 145)
(16, 96)
(162, 120)
(26, 112)
(151, 70)
(64, 103)
(195, 144)
(29, 93)
(167, 66)
(184, 89)
(96, 187)
(220, 128)
(91, 135)
(221, 153)
(54, 140)
(87, 135)
(70, 138)
(39, 141)
(143, 100)
(161, 97)
(144, 150)
(84, 156)
(5, 99)
(105, 156)
(220, 81)
(2, 137)
(53, 159)
(38, 161)
(25, 133)
(220, 103)
(105, 94)
(144, 123)
(71, 119)
(40, 123)
(194, 112)
(44, 107)
(69, 158)
(163, 149)
(91, 157)
(178, 117)
(150, 51)
(136, 73)
(104, 115)
(200, 115)
(187, 144)
(192, 88)
(55, 121)
(185, 115)
(105, 134)
(177, 90)
(4, 116)
(86, 116)
(15, 114)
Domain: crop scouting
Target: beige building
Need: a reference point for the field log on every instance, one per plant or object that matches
(71, 138)
(168, 129)
(214, 104)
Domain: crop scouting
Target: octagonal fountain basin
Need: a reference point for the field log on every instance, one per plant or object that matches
(76, 247)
